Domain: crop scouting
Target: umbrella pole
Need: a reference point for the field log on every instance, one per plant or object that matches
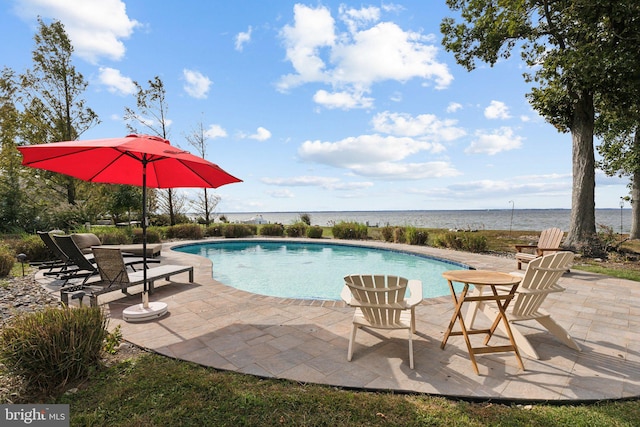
(145, 286)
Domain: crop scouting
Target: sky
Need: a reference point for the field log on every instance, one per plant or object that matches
(318, 105)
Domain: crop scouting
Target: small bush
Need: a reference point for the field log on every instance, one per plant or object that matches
(272, 230)
(314, 232)
(350, 230)
(51, 347)
(214, 230)
(240, 230)
(33, 247)
(416, 236)
(185, 231)
(462, 241)
(7, 259)
(153, 235)
(299, 229)
(398, 235)
(305, 218)
(115, 236)
(387, 233)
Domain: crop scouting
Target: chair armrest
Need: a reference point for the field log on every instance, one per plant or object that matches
(519, 247)
(554, 288)
(415, 288)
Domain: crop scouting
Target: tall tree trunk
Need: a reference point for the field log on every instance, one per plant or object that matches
(583, 213)
(635, 190)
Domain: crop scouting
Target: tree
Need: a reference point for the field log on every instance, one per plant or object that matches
(10, 194)
(205, 204)
(618, 119)
(151, 113)
(570, 45)
(51, 96)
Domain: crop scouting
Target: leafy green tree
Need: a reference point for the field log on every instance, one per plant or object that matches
(572, 48)
(150, 114)
(51, 95)
(123, 200)
(206, 204)
(10, 193)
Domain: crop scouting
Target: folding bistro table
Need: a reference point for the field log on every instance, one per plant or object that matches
(508, 284)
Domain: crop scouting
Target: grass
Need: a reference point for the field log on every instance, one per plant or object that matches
(152, 390)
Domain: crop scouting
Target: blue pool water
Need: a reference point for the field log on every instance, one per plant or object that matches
(313, 270)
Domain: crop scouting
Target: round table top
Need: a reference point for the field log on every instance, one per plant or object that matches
(481, 277)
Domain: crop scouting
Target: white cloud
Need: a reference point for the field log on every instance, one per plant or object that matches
(215, 131)
(453, 107)
(197, 85)
(281, 194)
(378, 156)
(328, 183)
(242, 39)
(358, 18)
(261, 134)
(116, 82)
(352, 61)
(499, 140)
(497, 110)
(342, 100)
(423, 125)
(95, 28)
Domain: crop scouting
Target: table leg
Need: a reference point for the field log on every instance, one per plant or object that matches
(457, 314)
(502, 315)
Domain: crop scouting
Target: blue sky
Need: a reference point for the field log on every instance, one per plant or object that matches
(318, 106)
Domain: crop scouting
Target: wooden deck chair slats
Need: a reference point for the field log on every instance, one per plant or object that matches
(380, 304)
(548, 243)
(539, 280)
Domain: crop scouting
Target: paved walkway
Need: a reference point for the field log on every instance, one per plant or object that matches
(218, 326)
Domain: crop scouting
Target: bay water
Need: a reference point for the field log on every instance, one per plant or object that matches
(490, 219)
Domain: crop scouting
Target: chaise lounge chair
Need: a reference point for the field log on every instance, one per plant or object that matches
(380, 304)
(114, 276)
(540, 279)
(83, 265)
(86, 241)
(548, 243)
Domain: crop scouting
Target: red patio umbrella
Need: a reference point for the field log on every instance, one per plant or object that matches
(141, 160)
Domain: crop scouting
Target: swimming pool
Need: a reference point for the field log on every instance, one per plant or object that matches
(305, 270)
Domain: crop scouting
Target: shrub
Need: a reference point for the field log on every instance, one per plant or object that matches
(299, 229)
(153, 235)
(240, 230)
(272, 230)
(214, 230)
(462, 241)
(398, 235)
(305, 218)
(115, 236)
(48, 348)
(387, 233)
(416, 236)
(7, 259)
(350, 230)
(185, 231)
(315, 232)
(475, 243)
(33, 247)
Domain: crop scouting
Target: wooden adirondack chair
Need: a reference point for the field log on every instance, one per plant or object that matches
(540, 279)
(380, 304)
(548, 243)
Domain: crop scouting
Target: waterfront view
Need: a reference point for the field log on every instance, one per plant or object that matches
(490, 219)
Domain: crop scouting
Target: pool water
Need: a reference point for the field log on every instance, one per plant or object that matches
(313, 270)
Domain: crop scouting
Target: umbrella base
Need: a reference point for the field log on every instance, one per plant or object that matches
(138, 313)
